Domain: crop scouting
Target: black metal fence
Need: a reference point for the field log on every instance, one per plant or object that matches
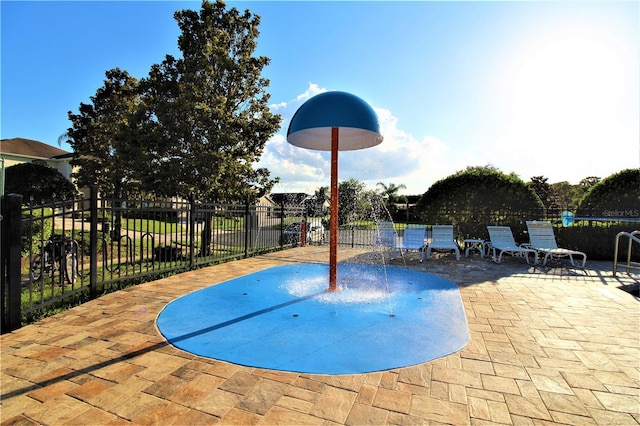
(63, 253)
(59, 254)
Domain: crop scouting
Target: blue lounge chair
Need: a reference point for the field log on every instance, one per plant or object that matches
(413, 239)
(442, 239)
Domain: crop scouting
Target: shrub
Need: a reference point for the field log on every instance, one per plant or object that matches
(616, 196)
(476, 197)
(38, 181)
(35, 229)
(597, 241)
(162, 215)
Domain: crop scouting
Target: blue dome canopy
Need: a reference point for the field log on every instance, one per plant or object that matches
(311, 125)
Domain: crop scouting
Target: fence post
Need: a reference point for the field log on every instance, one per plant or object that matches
(192, 231)
(590, 228)
(353, 235)
(247, 227)
(93, 242)
(282, 213)
(11, 247)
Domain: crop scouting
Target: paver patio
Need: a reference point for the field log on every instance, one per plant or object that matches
(548, 345)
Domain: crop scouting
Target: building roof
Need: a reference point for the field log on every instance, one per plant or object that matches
(289, 197)
(31, 148)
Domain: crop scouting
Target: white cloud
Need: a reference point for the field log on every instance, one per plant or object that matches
(564, 148)
(399, 159)
(288, 108)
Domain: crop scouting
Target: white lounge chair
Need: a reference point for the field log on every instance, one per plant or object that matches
(543, 239)
(413, 239)
(502, 242)
(442, 239)
(385, 236)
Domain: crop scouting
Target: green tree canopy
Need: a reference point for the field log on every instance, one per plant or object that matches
(317, 202)
(350, 194)
(38, 182)
(107, 137)
(566, 195)
(196, 125)
(542, 188)
(390, 192)
(616, 196)
(476, 197)
(589, 182)
(355, 202)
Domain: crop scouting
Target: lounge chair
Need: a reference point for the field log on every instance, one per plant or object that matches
(442, 239)
(385, 236)
(502, 242)
(542, 239)
(413, 239)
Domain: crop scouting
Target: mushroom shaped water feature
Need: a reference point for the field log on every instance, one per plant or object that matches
(334, 121)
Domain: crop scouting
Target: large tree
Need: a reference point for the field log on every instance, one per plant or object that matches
(355, 202)
(196, 125)
(565, 195)
(107, 136)
(389, 194)
(210, 109)
(542, 188)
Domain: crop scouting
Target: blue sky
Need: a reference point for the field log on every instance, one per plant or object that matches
(534, 88)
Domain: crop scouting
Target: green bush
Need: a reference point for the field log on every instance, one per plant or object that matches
(103, 216)
(162, 215)
(35, 229)
(84, 242)
(38, 181)
(597, 241)
(616, 196)
(476, 197)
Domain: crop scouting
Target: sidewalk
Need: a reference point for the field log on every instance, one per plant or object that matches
(547, 346)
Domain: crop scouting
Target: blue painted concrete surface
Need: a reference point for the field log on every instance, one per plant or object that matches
(283, 319)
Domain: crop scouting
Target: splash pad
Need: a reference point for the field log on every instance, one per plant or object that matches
(283, 318)
(369, 318)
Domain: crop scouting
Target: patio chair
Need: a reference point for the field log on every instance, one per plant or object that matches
(413, 239)
(385, 236)
(502, 242)
(442, 239)
(543, 239)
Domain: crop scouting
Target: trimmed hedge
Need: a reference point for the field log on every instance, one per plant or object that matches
(597, 241)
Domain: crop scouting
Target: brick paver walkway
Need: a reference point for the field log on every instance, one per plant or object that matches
(547, 346)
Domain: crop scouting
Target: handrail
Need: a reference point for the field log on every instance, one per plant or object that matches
(632, 238)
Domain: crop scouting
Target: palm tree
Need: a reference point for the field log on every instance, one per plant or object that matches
(390, 192)
(64, 138)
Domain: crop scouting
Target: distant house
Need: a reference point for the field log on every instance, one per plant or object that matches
(18, 150)
(290, 198)
(314, 206)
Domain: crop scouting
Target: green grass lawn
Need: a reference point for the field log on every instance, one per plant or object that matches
(152, 226)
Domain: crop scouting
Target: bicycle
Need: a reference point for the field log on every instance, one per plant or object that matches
(60, 252)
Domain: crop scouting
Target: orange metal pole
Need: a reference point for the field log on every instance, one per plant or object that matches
(333, 225)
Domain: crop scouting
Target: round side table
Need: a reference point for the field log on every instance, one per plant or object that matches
(473, 244)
